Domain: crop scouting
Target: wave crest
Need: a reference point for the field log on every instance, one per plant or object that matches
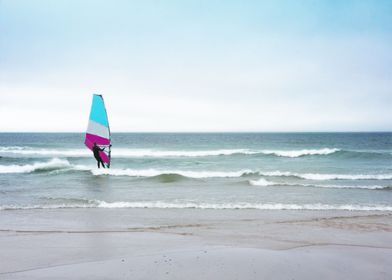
(323, 177)
(301, 153)
(125, 153)
(50, 165)
(201, 205)
(122, 152)
(234, 174)
(57, 164)
(264, 183)
(155, 173)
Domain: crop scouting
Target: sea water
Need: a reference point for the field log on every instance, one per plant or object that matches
(310, 171)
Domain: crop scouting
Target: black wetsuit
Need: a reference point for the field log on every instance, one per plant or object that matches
(96, 151)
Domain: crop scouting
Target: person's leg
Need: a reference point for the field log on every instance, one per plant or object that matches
(103, 165)
(97, 159)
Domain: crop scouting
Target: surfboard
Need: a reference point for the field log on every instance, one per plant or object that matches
(98, 130)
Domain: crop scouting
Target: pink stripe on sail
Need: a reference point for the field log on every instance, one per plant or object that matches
(96, 139)
(91, 139)
(104, 157)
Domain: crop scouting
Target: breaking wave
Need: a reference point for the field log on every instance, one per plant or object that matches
(240, 173)
(29, 151)
(323, 177)
(134, 153)
(219, 152)
(123, 153)
(156, 172)
(262, 182)
(56, 164)
(265, 183)
(50, 165)
(301, 153)
(181, 153)
(200, 205)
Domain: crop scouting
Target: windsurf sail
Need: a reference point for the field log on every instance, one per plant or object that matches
(98, 130)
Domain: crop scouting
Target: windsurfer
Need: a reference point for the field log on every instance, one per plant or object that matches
(96, 150)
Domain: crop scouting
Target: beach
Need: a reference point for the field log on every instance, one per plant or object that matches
(194, 244)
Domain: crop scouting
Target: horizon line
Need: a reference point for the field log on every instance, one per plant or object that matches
(207, 132)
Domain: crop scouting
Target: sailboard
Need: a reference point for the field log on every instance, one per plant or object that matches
(98, 130)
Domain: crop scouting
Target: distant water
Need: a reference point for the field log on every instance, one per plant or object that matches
(314, 171)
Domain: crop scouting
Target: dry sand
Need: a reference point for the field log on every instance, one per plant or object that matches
(194, 244)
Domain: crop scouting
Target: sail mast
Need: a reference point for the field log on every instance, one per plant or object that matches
(110, 134)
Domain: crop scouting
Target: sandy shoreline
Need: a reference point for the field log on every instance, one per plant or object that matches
(194, 244)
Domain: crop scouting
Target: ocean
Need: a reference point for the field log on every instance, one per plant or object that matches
(275, 171)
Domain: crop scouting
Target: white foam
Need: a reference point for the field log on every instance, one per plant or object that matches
(244, 205)
(264, 183)
(178, 153)
(300, 153)
(56, 163)
(156, 172)
(51, 164)
(216, 206)
(275, 173)
(232, 174)
(120, 152)
(368, 187)
(50, 206)
(44, 152)
(123, 152)
(322, 177)
(11, 148)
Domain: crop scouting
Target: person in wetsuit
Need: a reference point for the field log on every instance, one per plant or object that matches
(96, 150)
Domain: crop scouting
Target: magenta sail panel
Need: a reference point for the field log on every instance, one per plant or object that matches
(90, 138)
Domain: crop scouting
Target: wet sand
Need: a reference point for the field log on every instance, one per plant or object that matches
(194, 244)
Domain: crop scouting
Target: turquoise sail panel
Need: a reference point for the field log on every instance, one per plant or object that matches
(98, 112)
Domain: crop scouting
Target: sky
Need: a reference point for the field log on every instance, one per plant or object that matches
(197, 66)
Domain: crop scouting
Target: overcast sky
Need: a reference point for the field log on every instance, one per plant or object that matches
(197, 65)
